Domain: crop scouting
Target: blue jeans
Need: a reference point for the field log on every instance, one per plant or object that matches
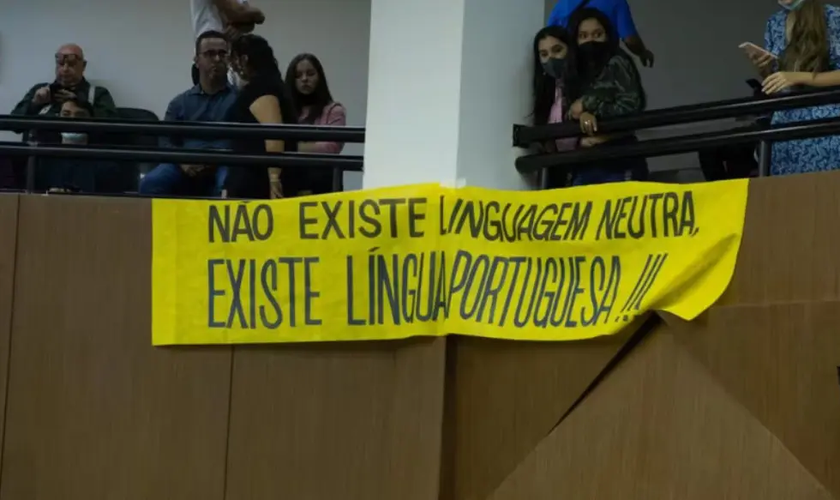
(169, 179)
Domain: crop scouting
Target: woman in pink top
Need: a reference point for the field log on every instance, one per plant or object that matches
(552, 49)
(311, 96)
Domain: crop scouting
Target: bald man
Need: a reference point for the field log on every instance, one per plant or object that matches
(69, 83)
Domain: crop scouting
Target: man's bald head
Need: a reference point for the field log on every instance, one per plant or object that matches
(71, 49)
(69, 65)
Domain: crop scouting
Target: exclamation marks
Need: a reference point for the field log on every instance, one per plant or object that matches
(651, 270)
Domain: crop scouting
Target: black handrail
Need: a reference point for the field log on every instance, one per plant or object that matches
(108, 153)
(523, 136)
(202, 130)
(680, 144)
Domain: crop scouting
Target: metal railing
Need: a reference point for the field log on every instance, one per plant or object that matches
(524, 136)
(198, 130)
(194, 130)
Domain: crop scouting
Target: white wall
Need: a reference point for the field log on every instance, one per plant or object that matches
(468, 84)
(495, 89)
(142, 50)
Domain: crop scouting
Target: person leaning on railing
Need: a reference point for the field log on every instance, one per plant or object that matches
(552, 52)
(606, 85)
(310, 95)
(263, 99)
(803, 41)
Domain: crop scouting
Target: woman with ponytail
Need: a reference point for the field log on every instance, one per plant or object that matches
(263, 98)
(803, 41)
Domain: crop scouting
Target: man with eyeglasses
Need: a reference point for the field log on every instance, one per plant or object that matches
(208, 101)
(70, 82)
(231, 17)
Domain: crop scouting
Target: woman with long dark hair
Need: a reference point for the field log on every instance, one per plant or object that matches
(607, 85)
(311, 96)
(263, 99)
(803, 50)
(552, 79)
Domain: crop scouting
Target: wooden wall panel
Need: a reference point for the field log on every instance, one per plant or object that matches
(660, 428)
(8, 246)
(415, 434)
(781, 363)
(742, 403)
(351, 421)
(791, 241)
(504, 397)
(94, 412)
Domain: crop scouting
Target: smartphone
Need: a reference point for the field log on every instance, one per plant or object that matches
(752, 50)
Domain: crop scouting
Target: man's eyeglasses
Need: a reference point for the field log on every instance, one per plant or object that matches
(215, 54)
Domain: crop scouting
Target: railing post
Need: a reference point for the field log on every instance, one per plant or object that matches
(764, 149)
(31, 164)
(337, 179)
(543, 179)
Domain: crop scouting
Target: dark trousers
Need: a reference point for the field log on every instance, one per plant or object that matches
(607, 171)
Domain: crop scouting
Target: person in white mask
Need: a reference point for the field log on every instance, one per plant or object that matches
(231, 17)
(802, 50)
(67, 174)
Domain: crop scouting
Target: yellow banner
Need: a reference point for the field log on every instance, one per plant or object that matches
(427, 260)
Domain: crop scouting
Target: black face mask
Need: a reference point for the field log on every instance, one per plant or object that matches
(594, 56)
(555, 68)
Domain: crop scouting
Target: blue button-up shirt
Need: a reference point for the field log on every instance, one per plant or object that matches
(617, 10)
(195, 105)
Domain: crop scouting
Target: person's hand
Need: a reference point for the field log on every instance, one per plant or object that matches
(588, 142)
(577, 109)
(42, 96)
(783, 80)
(588, 123)
(64, 95)
(647, 58)
(236, 30)
(276, 188)
(762, 61)
(192, 170)
(259, 17)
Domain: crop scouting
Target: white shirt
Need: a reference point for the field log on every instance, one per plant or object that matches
(206, 17)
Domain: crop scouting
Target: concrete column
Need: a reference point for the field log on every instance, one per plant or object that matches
(447, 80)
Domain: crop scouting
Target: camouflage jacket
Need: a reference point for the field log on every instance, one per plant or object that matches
(617, 91)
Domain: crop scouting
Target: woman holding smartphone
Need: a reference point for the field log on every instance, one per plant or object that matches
(803, 50)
